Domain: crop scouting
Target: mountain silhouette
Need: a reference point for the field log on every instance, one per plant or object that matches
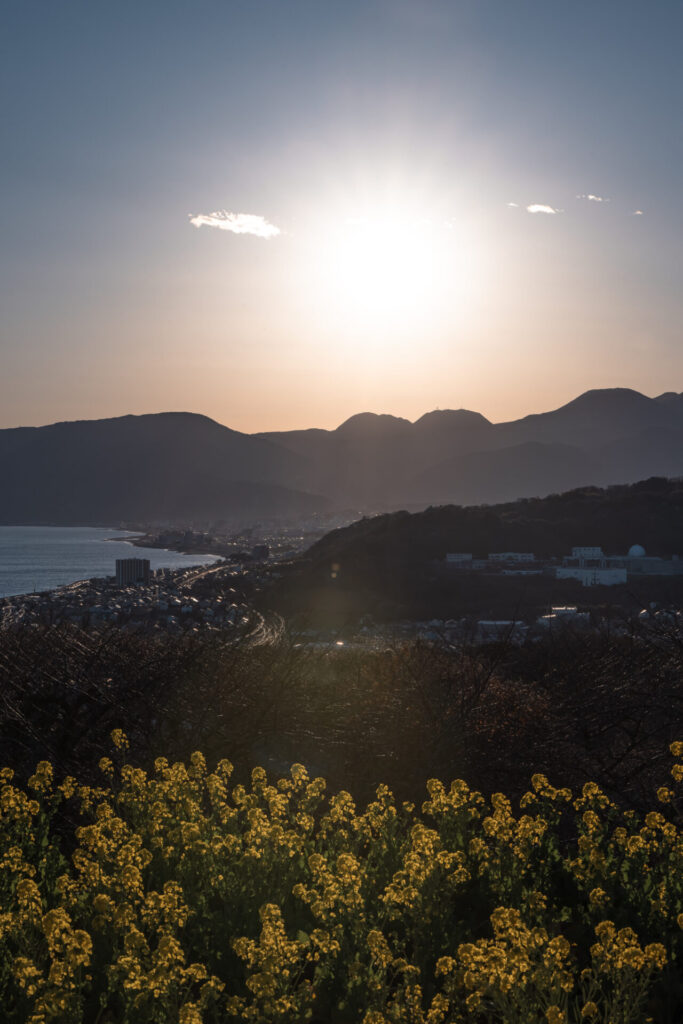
(155, 468)
(171, 467)
(613, 435)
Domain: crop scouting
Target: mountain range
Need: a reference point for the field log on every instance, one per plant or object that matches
(186, 467)
(456, 456)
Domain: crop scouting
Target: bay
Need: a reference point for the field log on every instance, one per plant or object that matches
(37, 558)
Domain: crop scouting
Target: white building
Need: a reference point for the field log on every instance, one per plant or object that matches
(637, 561)
(586, 557)
(587, 552)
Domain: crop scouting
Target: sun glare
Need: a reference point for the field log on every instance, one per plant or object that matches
(382, 265)
(385, 270)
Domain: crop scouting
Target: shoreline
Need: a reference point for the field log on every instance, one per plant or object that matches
(136, 539)
(151, 540)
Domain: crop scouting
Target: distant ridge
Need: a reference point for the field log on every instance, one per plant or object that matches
(182, 466)
(459, 417)
(604, 436)
(365, 424)
(152, 468)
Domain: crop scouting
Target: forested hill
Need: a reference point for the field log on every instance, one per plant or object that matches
(648, 513)
(386, 564)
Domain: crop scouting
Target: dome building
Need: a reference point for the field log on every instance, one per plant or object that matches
(636, 551)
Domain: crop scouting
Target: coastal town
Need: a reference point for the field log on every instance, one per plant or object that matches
(210, 597)
(214, 597)
(268, 538)
(221, 598)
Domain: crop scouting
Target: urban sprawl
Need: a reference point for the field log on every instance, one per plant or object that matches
(220, 596)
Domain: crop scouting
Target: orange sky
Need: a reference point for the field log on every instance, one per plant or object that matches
(280, 215)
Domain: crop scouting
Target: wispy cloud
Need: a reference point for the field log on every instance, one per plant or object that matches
(541, 208)
(637, 213)
(594, 199)
(238, 223)
(512, 204)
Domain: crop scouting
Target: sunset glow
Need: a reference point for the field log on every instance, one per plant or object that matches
(282, 214)
(378, 271)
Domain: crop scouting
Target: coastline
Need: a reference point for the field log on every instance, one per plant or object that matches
(152, 540)
(32, 564)
(181, 547)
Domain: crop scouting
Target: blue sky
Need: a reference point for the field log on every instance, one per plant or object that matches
(119, 121)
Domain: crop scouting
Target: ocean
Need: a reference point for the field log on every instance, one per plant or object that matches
(35, 558)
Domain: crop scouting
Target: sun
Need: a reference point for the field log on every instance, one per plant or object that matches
(386, 269)
(382, 265)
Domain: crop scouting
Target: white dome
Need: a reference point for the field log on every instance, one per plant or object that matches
(636, 551)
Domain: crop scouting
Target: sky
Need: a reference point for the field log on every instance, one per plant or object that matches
(280, 213)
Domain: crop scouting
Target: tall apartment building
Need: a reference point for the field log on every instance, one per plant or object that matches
(132, 570)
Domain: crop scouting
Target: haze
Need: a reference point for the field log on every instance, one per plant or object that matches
(281, 214)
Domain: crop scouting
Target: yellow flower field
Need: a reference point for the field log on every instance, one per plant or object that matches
(177, 896)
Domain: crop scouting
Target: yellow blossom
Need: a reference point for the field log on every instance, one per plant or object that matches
(119, 739)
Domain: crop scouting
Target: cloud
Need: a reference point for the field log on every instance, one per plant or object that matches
(594, 199)
(637, 213)
(512, 204)
(541, 208)
(238, 223)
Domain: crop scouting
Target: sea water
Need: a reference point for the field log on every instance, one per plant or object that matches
(36, 558)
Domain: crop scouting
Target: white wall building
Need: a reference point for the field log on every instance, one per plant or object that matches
(638, 561)
(587, 552)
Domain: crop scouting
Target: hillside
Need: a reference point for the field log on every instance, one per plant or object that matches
(504, 474)
(166, 467)
(650, 512)
(385, 564)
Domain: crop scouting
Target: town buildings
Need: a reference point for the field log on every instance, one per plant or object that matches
(587, 564)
